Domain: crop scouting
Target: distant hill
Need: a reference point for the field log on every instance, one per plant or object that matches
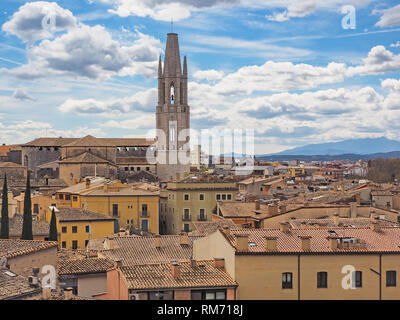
(352, 146)
(347, 156)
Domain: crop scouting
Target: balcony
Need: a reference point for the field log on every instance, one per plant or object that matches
(186, 217)
(144, 214)
(201, 217)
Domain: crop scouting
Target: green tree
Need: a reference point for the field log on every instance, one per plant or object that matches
(53, 227)
(27, 222)
(4, 233)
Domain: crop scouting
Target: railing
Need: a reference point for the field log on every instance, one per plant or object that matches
(201, 217)
(144, 214)
(187, 217)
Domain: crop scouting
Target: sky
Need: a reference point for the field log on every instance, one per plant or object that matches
(297, 72)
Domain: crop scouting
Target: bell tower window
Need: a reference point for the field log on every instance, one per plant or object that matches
(172, 94)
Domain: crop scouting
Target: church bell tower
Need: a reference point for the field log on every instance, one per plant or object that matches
(173, 114)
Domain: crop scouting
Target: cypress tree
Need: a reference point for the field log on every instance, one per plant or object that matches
(53, 227)
(4, 233)
(27, 222)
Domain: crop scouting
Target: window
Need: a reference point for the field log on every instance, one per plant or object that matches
(126, 168)
(186, 227)
(224, 197)
(201, 196)
(115, 210)
(74, 244)
(132, 169)
(358, 279)
(74, 198)
(218, 197)
(74, 229)
(322, 279)
(287, 278)
(186, 197)
(64, 244)
(202, 214)
(147, 168)
(86, 243)
(186, 214)
(208, 295)
(138, 169)
(145, 225)
(390, 278)
(61, 196)
(64, 229)
(87, 229)
(144, 210)
(229, 197)
(68, 197)
(36, 208)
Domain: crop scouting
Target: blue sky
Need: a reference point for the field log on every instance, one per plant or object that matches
(288, 69)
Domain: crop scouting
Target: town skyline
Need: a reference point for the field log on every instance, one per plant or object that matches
(290, 72)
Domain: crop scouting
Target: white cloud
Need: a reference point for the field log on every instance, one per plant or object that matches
(91, 53)
(389, 17)
(295, 10)
(144, 101)
(27, 22)
(395, 45)
(21, 94)
(209, 75)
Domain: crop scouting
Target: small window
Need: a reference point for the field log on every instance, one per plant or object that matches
(186, 197)
(390, 278)
(144, 210)
(64, 244)
(145, 225)
(186, 227)
(287, 282)
(201, 196)
(64, 229)
(74, 229)
(36, 208)
(126, 168)
(67, 197)
(86, 243)
(224, 197)
(115, 210)
(358, 279)
(74, 198)
(147, 168)
(322, 279)
(74, 244)
(132, 169)
(138, 169)
(229, 197)
(87, 229)
(61, 196)
(218, 197)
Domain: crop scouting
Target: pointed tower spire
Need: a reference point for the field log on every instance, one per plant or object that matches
(172, 62)
(159, 67)
(185, 71)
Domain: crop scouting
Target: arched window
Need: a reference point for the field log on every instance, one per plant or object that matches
(172, 94)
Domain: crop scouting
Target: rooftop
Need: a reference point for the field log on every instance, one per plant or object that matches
(78, 214)
(84, 266)
(151, 276)
(39, 228)
(12, 248)
(13, 286)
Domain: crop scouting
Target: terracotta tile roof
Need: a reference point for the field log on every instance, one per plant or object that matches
(12, 248)
(130, 142)
(78, 214)
(128, 191)
(343, 222)
(131, 250)
(84, 266)
(152, 276)
(48, 142)
(11, 165)
(89, 141)
(39, 228)
(236, 209)
(203, 228)
(13, 286)
(35, 183)
(80, 187)
(85, 157)
(5, 149)
(387, 240)
(116, 142)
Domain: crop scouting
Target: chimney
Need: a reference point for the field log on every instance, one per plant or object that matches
(157, 242)
(353, 209)
(226, 230)
(358, 199)
(175, 270)
(284, 227)
(219, 263)
(257, 205)
(282, 209)
(110, 244)
(305, 243)
(271, 243)
(184, 239)
(68, 293)
(87, 183)
(336, 219)
(273, 210)
(117, 264)
(242, 242)
(193, 263)
(333, 242)
(375, 226)
(46, 293)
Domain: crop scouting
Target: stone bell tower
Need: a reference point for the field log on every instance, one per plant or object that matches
(173, 114)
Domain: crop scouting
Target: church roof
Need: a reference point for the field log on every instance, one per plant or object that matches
(85, 157)
(89, 141)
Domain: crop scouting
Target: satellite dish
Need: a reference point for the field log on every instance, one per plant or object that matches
(3, 263)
